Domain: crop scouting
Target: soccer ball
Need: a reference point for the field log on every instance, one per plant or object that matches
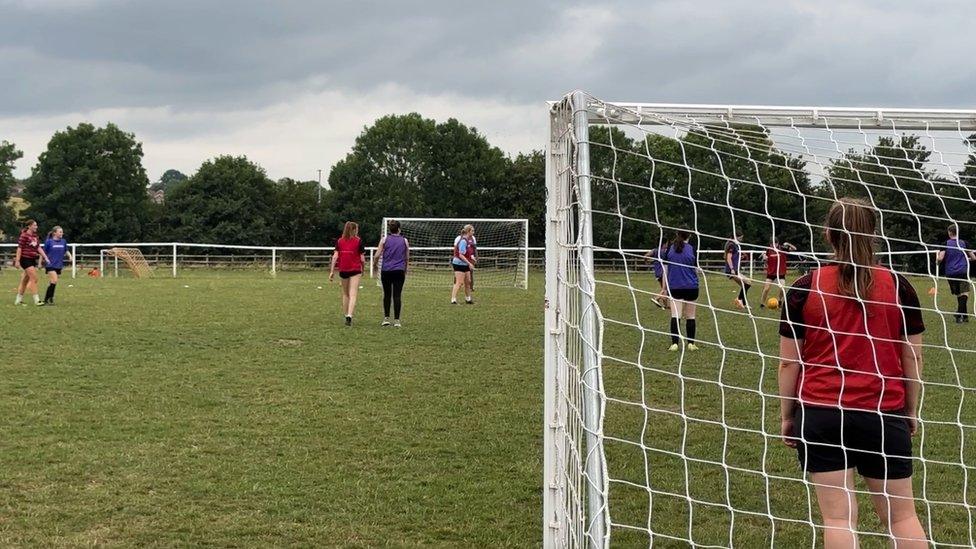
(772, 303)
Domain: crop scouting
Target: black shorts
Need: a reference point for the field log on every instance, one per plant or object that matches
(878, 446)
(53, 270)
(958, 286)
(349, 274)
(460, 268)
(26, 263)
(683, 294)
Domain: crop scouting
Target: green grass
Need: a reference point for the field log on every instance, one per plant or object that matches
(239, 412)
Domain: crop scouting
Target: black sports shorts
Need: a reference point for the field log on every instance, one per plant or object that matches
(349, 274)
(460, 268)
(683, 294)
(877, 445)
(27, 263)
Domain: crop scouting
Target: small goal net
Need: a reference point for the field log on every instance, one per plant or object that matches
(501, 250)
(647, 446)
(132, 259)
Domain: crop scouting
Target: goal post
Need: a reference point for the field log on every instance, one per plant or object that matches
(644, 445)
(502, 250)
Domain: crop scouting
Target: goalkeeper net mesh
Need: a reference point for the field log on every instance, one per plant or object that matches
(645, 446)
(501, 250)
(133, 260)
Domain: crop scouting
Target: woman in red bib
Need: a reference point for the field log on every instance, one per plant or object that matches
(849, 380)
(349, 257)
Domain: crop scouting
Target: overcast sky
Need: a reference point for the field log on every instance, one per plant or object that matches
(291, 84)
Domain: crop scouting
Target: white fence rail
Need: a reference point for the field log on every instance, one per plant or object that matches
(174, 256)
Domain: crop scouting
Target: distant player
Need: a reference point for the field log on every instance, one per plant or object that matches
(472, 249)
(955, 263)
(56, 250)
(654, 256)
(26, 257)
(776, 261)
(349, 257)
(681, 271)
(733, 265)
(394, 250)
(849, 381)
(463, 263)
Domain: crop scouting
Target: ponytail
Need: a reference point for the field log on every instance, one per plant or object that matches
(680, 239)
(850, 225)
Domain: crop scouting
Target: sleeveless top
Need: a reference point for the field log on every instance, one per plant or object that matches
(394, 253)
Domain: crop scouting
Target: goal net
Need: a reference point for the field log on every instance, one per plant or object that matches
(132, 259)
(649, 446)
(502, 252)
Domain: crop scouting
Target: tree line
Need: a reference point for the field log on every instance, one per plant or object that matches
(712, 180)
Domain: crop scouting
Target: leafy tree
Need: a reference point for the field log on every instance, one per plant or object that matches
(300, 218)
(167, 181)
(230, 200)
(8, 218)
(91, 181)
(522, 194)
(412, 166)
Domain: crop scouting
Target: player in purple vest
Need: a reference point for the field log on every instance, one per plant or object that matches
(733, 265)
(681, 271)
(955, 262)
(394, 252)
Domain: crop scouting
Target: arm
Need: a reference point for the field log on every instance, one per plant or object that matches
(911, 361)
(728, 260)
(406, 263)
(379, 253)
(789, 373)
(940, 256)
(335, 259)
(43, 255)
(17, 258)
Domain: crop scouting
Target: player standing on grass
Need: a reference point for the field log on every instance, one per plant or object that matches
(349, 257)
(56, 249)
(26, 257)
(394, 250)
(849, 380)
(681, 271)
(775, 269)
(733, 264)
(955, 263)
(654, 256)
(462, 263)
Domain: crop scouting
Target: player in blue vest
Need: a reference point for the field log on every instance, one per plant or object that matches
(681, 271)
(56, 250)
(955, 263)
(733, 265)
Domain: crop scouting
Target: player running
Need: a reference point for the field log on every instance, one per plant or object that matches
(955, 264)
(463, 263)
(775, 269)
(394, 250)
(733, 264)
(56, 249)
(349, 257)
(654, 256)
(26, 257)
(681, 272)
(849, 380)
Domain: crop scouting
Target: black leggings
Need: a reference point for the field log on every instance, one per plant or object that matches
(392, 288)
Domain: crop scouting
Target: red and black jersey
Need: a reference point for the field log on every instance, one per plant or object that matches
(350, 252)
(851, 352)
(30, 245)
(775, 262)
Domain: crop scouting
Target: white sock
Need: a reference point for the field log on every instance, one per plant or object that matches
(37, 299)
(19, 299)
(467, 298)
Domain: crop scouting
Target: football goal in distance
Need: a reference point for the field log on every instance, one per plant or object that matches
(502, 250)
(643, 446)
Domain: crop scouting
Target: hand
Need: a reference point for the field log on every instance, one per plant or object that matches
(331, 276)
(786, 429)
(912, 425)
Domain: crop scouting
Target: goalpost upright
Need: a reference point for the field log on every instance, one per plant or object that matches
(807, 147)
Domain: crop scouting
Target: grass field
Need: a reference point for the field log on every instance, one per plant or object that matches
(233, 409)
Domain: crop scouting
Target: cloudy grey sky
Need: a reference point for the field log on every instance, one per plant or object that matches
(291, 83)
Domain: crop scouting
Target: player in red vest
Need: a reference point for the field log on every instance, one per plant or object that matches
(849, 380)
(775, 269)
(29, 252)
(349, 257)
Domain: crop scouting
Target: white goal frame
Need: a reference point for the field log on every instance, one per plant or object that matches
(575, 476)
(524, 249)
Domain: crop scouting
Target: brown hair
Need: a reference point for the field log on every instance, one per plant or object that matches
(393, 226)
(350, 230)
(680, 238)
(850, 228)
(953, 230)
(28, 223)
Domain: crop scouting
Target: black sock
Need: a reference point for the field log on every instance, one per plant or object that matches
(690, 328)
(963, 304)
(49, 294)
(674, 331)
(742, 294)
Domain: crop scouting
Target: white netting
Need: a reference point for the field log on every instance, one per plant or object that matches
(502, 250)
(646, 446)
